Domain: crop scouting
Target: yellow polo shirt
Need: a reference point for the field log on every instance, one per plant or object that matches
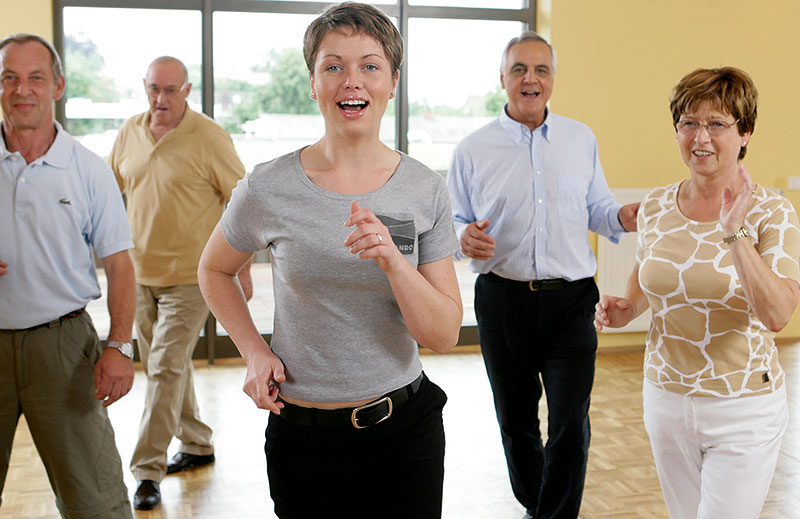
(176, 191)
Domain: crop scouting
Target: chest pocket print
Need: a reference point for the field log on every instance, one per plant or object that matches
(402, 231)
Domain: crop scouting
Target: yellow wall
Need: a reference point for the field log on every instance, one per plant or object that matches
(617, 62)
(35, 16)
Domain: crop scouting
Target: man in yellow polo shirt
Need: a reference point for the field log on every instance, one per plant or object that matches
(177, 168)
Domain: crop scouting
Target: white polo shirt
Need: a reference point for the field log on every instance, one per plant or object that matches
(53, 213)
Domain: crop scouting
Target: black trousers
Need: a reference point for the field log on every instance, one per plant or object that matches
(394, 469)
(532, 341)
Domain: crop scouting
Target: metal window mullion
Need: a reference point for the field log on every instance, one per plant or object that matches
(58, 43)
(207, 60)
(401, 105)
(194, 5)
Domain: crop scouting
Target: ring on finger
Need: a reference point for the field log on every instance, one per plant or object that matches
(380, 238)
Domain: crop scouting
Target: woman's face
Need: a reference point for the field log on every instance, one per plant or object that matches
(707, 146)
(353, 82)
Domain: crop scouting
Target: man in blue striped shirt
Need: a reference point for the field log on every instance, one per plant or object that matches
(526, 188)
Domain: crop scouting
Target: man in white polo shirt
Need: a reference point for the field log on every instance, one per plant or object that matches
(59, 205)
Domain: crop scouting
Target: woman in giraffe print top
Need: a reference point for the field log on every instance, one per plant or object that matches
(717, 265)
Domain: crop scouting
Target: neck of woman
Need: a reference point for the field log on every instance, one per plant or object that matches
(349, 165)
(700, 197)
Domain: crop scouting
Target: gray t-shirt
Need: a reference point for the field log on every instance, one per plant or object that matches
(338, 329)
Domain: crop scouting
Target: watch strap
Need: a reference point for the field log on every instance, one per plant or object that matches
(741, 233)
(126, 348)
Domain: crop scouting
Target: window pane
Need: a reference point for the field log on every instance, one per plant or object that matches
(104, 68)
(453, 89)
(261, 86)
(492, 4)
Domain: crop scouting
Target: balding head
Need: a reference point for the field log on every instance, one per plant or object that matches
(170, 61)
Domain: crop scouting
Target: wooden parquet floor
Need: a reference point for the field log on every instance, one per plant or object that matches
(621, 480)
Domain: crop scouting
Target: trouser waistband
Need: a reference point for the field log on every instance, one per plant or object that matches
(536, 285)
(360, 417)
(50, 324)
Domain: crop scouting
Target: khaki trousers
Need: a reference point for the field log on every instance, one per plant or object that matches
(47, 374)
(168, 322)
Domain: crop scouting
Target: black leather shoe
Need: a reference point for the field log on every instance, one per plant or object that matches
(183, 461)
(147, 496)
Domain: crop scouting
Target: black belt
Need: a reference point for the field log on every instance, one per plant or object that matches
(50, 324)
(360, 417)
(536, 285)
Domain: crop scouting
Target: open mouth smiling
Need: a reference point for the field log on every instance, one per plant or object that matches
(353, 105)
(530, 94)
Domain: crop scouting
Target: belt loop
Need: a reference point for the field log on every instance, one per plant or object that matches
(54, 323)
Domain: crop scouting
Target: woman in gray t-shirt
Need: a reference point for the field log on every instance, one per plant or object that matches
(360, 239)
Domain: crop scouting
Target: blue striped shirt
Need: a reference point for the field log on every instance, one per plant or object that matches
(541, 191)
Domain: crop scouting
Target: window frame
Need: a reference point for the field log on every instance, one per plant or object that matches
(210, 344)
(401, 11)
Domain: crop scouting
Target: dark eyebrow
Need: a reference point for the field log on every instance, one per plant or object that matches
(365, 56)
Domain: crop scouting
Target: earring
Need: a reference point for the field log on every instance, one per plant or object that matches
(313, 95)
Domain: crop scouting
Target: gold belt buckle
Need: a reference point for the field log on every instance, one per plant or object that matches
(354, 418)
(531, 287)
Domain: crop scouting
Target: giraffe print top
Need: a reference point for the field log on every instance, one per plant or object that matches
(704, 339)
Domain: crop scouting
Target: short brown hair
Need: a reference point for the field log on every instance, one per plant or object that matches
(21, 37)
(729, 89)
(361, 19)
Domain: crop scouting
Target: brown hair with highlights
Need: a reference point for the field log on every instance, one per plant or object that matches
(360, 19)
(728, 89)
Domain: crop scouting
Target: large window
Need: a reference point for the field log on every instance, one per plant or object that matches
(106, 53)
(246, 67)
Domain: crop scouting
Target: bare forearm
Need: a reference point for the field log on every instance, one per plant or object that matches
(635, 295)
(121, 295)
(773, 299)
(225, 299)
(432, 315)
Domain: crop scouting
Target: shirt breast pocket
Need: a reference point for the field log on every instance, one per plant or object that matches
(402, 230)
(572, 192)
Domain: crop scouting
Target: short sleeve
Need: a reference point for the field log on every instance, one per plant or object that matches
(779, 241)
(440, 240)
(110, 231)
(243, 220)
(225, 165)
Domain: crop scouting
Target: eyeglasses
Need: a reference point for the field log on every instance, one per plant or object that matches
(169, 91)
(690, 128)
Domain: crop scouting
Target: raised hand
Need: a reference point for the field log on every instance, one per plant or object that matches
(370, 239)
(735, 205)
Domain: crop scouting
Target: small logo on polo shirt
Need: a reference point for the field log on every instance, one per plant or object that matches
(64, 201)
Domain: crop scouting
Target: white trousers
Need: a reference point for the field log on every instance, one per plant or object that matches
(715, 457)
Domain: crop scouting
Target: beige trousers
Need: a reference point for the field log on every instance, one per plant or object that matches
(168, 322)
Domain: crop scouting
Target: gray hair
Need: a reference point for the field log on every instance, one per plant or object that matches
(22, 37)
(161, 60)
(527, 36)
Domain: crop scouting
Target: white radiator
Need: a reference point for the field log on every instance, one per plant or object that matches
(615, 262)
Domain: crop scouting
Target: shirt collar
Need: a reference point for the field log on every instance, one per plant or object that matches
(519, 132)
(183, 126)
(58, 155)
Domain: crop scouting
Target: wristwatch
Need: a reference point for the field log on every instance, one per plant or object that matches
(125, 348)
(741, 233)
